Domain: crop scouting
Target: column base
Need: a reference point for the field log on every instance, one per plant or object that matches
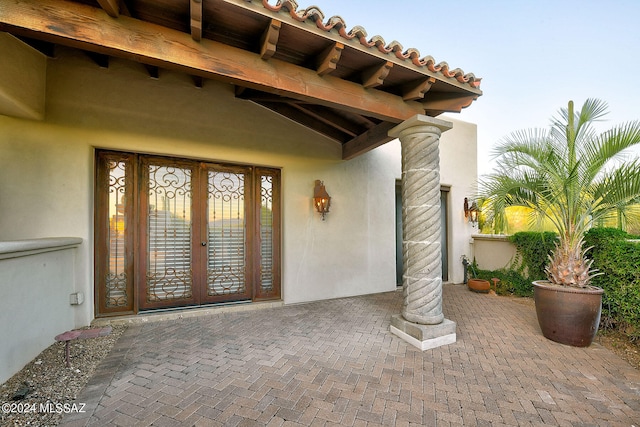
(424, 337)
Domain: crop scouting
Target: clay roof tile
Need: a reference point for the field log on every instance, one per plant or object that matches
(412, 55)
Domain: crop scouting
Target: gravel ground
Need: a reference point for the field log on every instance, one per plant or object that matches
(51, 387)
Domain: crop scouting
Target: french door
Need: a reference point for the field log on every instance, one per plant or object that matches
(174, 232)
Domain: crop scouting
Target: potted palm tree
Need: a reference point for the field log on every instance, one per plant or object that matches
(574, 177)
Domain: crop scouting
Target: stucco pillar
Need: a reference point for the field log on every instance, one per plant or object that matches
(422, 322)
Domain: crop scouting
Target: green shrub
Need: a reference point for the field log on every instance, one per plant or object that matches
(511, 282)
(532, 254)
(619, 261)
(532, 250)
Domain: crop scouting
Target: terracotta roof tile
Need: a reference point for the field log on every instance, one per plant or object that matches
(315, 14)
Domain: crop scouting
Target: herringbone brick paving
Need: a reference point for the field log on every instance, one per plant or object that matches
(335, 363)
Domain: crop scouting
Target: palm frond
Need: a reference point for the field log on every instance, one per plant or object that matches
(566, 175)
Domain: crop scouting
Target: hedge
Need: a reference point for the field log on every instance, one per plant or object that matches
(619, 261)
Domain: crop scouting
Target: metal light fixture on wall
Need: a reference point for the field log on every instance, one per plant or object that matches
(321, 199)
(471, 212)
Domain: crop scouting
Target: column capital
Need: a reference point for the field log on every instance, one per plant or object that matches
(420, 120)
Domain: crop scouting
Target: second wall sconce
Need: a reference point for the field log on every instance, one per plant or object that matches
(321, 199)
(471, 211)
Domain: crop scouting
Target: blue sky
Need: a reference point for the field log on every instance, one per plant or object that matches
(533, 55)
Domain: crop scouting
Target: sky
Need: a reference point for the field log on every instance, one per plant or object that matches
(533, 55)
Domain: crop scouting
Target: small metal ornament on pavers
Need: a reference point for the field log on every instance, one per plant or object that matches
(80, 334)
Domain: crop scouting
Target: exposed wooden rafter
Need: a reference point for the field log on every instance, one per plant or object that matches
(332, 120)
(416, 90)
(269, 40)
(196, 19)
(328, 61)
(349, 128)
(375, 76)
(293, 112)
(111, 7)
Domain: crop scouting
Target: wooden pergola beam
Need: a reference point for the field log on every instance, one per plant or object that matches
(86, 27)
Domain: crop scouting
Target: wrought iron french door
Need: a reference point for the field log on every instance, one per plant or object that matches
(186, 233)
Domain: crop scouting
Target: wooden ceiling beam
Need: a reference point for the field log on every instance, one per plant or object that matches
(416, 90)
(321, 113)
(196, 19)
(293, 113)
(375, 76)
(373, 138)
(328, 119)
(111, 7)
(269, 42)
(328, 60)
(86, 27)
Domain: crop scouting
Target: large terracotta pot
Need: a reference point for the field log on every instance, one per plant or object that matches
(568, 315)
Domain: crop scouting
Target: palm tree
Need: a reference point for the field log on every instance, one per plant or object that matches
(570, 174)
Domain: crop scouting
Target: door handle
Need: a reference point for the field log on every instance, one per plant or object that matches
(204, 243)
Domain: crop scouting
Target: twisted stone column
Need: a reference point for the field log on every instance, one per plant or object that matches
(422, 275)
(422, 269)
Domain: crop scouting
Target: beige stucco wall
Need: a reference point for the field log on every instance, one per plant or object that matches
(36, 278)
(47, 172)
(459, 171)
(493, 251)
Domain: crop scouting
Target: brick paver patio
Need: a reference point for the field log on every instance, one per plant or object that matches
(336, 363)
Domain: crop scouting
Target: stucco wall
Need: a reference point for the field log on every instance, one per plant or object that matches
(50, 165)
(493, 251)
(36, 278)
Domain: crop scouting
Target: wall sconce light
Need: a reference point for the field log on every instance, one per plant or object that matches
(471, 212)
(321, 199)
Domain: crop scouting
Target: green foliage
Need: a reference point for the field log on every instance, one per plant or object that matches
(532, 253)
(511, 282)
(619, 261)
